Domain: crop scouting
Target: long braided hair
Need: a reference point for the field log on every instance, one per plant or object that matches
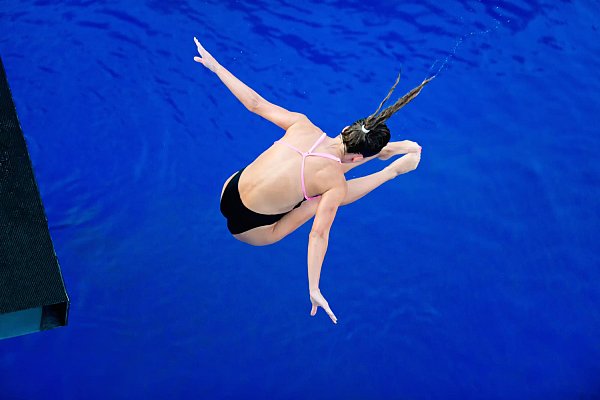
(370, 143)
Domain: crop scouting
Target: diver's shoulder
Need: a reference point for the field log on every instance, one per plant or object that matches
(304, 126)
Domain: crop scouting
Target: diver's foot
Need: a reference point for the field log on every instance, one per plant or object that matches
(401, 147)
(404, 164)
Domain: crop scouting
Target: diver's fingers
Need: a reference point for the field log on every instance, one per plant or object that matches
(200, 48)
(313, 311)
(331, 314)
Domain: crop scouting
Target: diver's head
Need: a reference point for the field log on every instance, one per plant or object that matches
(367, 144)
(367, 136)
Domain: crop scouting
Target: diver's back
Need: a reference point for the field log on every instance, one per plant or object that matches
(272, 183)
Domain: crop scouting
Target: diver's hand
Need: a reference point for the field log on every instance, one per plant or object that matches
(317, 300)
(395, 148)
(207, 59)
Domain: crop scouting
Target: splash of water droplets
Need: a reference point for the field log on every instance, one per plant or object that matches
(444, 62)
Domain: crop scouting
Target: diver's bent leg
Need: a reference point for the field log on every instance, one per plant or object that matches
(295, 219)
(391, 149)
(269, 234)
(359, 187)
(404, 164)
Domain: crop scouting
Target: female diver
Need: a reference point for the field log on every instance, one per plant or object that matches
(302, 174)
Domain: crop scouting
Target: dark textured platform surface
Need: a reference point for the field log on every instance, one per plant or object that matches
(30, 275)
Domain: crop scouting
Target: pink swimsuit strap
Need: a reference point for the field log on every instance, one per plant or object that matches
(306, 154)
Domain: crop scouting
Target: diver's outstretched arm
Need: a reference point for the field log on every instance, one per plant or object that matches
(318, 242)
(246, 95)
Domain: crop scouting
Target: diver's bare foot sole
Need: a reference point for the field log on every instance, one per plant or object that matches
(404, 164)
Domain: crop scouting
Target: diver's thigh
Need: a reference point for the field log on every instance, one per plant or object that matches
(295, 218)
(269, 234)
(259, 236)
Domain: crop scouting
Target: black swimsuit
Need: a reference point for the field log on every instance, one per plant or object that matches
(239, 217)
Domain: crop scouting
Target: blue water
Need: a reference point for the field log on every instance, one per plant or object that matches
(477, 276)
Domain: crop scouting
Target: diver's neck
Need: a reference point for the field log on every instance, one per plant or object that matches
(337, 146)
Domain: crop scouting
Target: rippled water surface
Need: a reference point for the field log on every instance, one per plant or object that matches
(474, 277)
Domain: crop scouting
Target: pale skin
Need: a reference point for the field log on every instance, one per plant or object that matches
(271, 183)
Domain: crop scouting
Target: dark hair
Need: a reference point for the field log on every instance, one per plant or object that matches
(370, 143)
(367, 144)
